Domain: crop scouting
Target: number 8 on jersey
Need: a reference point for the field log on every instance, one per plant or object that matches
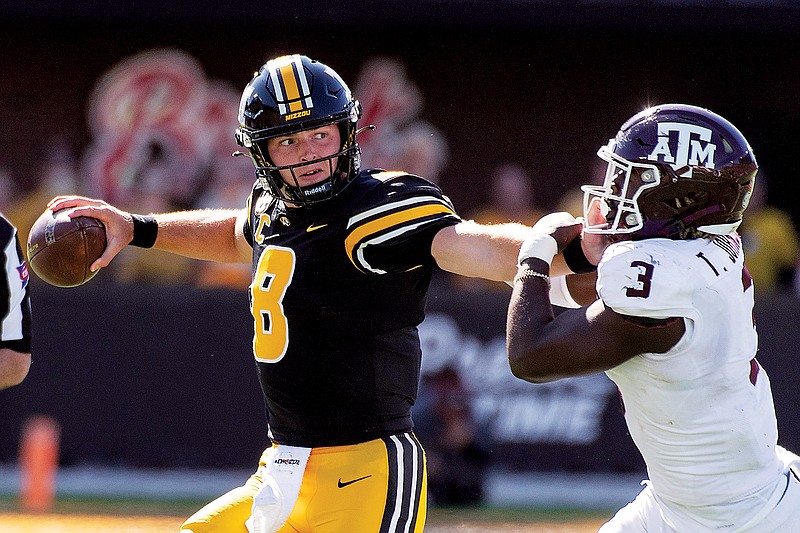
(271, 329)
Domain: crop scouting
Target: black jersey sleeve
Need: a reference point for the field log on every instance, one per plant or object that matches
(15, 306)
(393, 227)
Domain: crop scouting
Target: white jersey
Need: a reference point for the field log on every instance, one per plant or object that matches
(701, 414)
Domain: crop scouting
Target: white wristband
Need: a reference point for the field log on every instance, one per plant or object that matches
(559, 293)
(541, 243)
(541, 246)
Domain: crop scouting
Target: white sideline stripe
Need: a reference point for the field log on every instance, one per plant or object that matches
(134, 483)
(502, 489)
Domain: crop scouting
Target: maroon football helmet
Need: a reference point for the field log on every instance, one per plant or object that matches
(674, 171)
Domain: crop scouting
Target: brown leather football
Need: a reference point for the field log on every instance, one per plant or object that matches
(61, 249)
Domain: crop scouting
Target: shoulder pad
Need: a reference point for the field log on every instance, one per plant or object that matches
(399, 211)
(646, 279)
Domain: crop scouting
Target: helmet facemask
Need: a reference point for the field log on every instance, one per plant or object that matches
(624, 183)
(342, 167)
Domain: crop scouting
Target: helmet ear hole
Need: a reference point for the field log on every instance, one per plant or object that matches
(678, 203)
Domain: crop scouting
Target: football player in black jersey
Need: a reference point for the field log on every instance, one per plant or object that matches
(342, 259)
(15, 310)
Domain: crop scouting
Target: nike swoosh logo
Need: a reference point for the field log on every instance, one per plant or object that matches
(345, 483)
(312, 227)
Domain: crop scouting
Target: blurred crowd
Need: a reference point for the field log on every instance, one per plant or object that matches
(161, 139)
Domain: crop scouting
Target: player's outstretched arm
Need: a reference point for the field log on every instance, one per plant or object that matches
(214, 234)
(577, 342)
(488, 251)
(478, 250)
(542, 347)
(209, 234)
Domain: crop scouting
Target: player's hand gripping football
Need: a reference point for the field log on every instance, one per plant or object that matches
(118, 223)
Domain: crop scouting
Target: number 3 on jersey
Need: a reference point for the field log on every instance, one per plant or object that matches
(273, 276)
(643, 281)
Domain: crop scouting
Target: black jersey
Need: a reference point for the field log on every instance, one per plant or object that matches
(338, 292)
(15, 305)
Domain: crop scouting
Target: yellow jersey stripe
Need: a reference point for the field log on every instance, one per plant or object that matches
(391, 207)
(392, 220)
(384, 237)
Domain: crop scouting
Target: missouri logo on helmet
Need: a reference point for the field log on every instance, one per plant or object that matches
(291, 86)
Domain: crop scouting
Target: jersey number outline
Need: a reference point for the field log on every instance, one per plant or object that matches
(644, 279)
(273, 276)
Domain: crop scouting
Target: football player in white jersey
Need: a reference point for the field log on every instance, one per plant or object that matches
(672, 327)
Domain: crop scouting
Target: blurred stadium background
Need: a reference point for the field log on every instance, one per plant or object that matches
(147, 369)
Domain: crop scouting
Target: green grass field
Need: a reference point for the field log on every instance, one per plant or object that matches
(73, 515)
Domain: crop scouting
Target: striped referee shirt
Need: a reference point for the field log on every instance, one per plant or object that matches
(15, 305)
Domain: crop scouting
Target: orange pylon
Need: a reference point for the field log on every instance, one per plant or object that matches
(38, 461)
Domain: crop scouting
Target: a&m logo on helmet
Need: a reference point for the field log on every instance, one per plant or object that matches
(291, 86)
(693, 147)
